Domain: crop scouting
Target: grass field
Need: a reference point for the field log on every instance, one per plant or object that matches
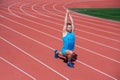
(107, 13)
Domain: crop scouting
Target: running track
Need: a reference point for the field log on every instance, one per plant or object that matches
(31, 29)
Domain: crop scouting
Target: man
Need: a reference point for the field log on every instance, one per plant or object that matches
(68, 40)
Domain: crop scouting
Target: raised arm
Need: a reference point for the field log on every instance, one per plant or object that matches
(72, 22)
(65, 22)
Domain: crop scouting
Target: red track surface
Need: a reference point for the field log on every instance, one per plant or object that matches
(31, 29)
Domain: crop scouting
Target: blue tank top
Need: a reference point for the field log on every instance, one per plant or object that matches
(68, 41)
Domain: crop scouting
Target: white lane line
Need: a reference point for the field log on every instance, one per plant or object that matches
(61, 25)
(53, 49)
(4, 4)
(92, 23)
(78, 21)
(60, 31)
(34, 58)
(99, 19)
(97, 70)
(17, 67)
(80, 17)
(76, 29)
(59, 39)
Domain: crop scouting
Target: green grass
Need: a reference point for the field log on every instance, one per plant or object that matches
(107, 13)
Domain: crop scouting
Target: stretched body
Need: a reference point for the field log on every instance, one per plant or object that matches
(68, 38)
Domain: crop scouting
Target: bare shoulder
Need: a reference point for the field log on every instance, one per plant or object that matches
(64, 34)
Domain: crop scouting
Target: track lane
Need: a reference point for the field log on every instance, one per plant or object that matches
(33, 16)
(50, 9)
(59, 64)
(118, 46)
(97, 35)
(38, 28)
(8, 72)
(83, 26)
(80, 4)
(23, 59)
(25, 29)
(62, 13)
(113, 24)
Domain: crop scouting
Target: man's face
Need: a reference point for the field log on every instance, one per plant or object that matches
(69, 28)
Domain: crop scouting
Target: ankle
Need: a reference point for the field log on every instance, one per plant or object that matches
(69, 62)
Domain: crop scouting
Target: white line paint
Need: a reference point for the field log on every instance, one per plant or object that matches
(59, 30)
(34, 58)
(17, 67)
(64, 7)
(53, 49)
(93, 52)
(78, 20)
(57, 38)
(80, 17)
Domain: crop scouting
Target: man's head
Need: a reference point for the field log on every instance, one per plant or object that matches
(69, 27)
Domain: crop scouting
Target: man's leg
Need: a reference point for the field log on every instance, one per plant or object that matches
(69, 55)
(56, 53)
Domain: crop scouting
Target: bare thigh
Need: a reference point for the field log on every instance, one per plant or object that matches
(69, 52)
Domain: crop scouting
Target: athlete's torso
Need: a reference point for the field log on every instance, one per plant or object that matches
(69, 41)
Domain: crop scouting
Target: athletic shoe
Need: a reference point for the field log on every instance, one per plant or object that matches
(55, 54)
(69, 64)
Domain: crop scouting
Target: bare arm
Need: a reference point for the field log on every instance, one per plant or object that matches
(72, 22)
(65, 22)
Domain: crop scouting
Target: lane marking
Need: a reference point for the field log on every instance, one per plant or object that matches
(17, 67)
(53, 49)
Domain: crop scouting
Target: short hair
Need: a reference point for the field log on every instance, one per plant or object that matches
(68, 24)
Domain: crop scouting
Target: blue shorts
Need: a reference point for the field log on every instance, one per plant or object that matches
(63, 51)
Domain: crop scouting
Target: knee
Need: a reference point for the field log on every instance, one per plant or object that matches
(69, 52)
